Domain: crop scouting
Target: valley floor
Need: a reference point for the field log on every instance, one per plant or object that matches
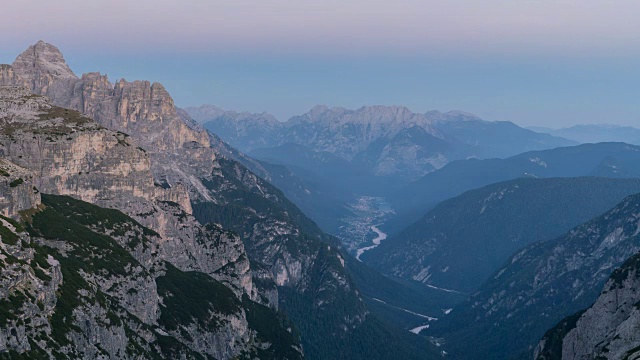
(360, 231)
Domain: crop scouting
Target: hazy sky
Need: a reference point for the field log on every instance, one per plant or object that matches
(544, 62)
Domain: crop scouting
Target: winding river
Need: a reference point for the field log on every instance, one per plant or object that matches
(380, 236)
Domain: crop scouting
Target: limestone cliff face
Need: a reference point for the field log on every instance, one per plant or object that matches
(143, 110)
(100, 290)
(17, 191)
(69, 154)
(9, 77)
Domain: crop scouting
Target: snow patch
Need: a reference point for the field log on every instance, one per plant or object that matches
(443, 289)
(538, 161)
(341, 260)
(429, 318)
(416, 330)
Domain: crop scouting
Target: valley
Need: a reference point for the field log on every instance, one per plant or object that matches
(380, 236)
(360, 227)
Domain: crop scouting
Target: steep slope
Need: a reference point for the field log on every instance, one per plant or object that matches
(614, 160)
(540, 285)
(60, 151)
(70, 154)
(462, 241)
(64, 152)
(607, 329)
(88, 282)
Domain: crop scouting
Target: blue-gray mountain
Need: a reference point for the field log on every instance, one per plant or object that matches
(539, 286)
(462, 241)
(614, 160)
(381, 140)
(369, 151)
(596, 133)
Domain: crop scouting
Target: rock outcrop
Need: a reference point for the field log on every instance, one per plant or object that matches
(139, 109)
(87, 282)
(17, 189)
(606, 330)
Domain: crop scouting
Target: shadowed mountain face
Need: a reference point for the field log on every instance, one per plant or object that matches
(613, 160)
(540, 285)
(462, 241)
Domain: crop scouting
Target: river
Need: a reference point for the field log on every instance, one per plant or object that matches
(379, 238)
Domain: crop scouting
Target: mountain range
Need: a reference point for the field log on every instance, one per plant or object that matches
(595, 133)
(365, 152)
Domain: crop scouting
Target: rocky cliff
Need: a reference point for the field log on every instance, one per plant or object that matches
(140, 109)
(48, 149)
(608, 329)
(80, 281)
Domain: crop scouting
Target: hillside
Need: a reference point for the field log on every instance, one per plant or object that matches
(462, 241)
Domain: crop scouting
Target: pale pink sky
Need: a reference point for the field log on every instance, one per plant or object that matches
(333, 26)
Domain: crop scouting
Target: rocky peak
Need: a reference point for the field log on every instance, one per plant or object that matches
(143, 100)
(43, 70)
(204, 113)
(43, 58)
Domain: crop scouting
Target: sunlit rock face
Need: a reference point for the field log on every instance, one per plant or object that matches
(69, 153)
(140, 109)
